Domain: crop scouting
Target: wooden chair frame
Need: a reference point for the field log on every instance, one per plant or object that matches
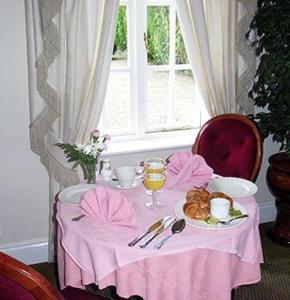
(252, 126)
(28, 278)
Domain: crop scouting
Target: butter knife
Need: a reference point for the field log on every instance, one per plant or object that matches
(153, 227)
(165, 225)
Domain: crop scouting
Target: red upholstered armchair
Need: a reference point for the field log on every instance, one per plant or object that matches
(21, 282)
(232, 145)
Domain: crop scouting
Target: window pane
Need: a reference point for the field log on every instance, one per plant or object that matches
(185, 109)
(158, 95)
(158, 35)
(180, 56)
(117, 117)
(172, 107)
(120, 51)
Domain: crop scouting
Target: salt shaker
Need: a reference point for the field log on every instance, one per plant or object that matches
(106, 171)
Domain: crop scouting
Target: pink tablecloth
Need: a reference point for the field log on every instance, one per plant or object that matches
(195, 264)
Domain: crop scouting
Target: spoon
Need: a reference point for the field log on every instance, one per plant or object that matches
(177, 227)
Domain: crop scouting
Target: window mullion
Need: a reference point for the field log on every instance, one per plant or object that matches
(172, 30)
(141, 70)
(131, 61)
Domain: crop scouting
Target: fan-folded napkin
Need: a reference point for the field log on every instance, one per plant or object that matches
(108, 206)
(185, 167)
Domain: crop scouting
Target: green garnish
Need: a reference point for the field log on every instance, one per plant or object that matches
(211, 220)
(235, 213)
(214, 221)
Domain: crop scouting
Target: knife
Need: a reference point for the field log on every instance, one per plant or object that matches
(165, 225)
(153, 227)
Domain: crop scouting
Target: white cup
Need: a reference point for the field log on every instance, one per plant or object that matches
(219, 208)
(126, 175)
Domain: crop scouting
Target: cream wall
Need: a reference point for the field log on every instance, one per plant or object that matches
(24, 182)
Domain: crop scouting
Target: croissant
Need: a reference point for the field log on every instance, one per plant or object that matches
(197, 205)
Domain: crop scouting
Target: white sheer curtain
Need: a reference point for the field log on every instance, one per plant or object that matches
(70, 45)
(211, 30)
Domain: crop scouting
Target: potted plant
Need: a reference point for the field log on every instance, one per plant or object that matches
(271, 92)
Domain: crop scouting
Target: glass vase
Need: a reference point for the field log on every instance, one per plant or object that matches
(89, 171)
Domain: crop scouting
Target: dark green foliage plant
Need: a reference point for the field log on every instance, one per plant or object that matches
(271, 88)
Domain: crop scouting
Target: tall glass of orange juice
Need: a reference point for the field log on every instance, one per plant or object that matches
(153, 182)
(154, 165)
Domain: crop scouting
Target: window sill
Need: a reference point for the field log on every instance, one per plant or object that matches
(151, 144)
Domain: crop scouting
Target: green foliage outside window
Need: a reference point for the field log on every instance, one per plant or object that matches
(121, 30)
(157, 35)
(181, 56)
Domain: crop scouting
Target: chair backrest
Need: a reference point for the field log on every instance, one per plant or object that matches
(22, 282)
(232, 145)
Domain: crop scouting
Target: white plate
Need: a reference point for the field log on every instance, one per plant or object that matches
(116, 184)
(72, 194)
(232, 186)
(178, 210)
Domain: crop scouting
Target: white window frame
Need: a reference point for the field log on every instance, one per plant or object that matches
(137, 68)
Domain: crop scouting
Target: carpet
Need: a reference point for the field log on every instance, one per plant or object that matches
(275, 283)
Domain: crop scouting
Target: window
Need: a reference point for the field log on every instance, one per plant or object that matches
(151, 89)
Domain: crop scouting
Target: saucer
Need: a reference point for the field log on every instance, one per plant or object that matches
(116, 184)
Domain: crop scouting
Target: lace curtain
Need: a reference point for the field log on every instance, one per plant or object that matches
(223, 64)
(246, 56)
(70, 46)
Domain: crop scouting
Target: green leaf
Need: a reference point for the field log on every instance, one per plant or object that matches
(271, 88)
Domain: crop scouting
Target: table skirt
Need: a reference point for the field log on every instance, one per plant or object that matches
(154, 278)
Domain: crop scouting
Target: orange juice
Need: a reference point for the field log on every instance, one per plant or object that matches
(154, 166)
(154, 181)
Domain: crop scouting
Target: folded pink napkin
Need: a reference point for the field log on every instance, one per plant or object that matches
(108, 206)
(184, 167)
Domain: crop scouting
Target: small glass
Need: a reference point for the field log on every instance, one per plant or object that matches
(154, 165)
(153, 182)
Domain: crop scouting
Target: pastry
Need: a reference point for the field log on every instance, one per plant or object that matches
(197, 205)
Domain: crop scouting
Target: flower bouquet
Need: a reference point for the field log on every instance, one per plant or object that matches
(86, 155)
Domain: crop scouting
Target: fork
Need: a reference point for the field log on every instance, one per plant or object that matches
(230, 220)
(78, 218)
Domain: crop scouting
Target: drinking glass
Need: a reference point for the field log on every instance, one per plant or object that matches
(153, 182)
(154, 165)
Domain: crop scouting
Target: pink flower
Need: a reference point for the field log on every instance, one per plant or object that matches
(107, 137)
(95, 133)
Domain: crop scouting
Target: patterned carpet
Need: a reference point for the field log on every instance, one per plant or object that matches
(275, 283)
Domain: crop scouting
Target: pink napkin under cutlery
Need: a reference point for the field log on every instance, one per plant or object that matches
(108, 206)
(185, 167)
